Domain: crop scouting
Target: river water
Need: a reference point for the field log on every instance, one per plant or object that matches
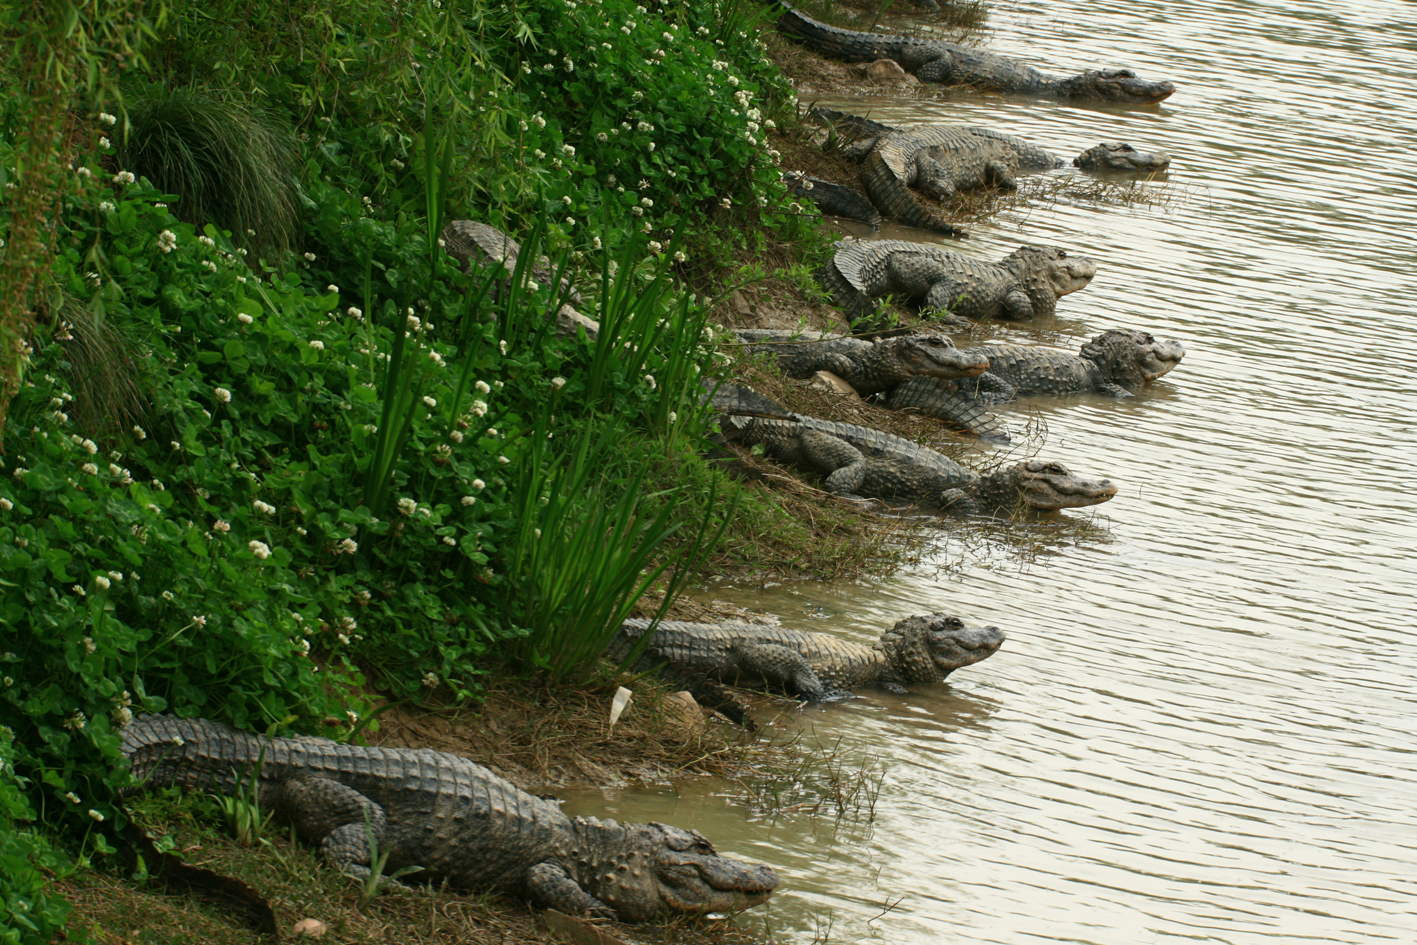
(1201, 726)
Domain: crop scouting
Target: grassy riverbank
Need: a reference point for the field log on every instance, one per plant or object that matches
(271, 456)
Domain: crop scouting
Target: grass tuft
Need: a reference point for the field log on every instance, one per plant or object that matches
(229, 165)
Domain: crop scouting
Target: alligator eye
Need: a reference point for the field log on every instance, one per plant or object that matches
(1056, 469)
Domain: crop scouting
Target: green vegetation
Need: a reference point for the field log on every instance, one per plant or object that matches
(269, 450)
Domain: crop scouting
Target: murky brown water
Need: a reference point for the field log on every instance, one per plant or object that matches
(1201, 728)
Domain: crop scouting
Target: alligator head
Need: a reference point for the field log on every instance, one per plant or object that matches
(1048, 487)
(1120, 156)
(644, 870)
(935, 355)
(1114, 85)
(926, 649)
(1047, 274)
(1131, 358)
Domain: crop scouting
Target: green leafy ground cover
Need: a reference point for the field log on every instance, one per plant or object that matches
(270, 450)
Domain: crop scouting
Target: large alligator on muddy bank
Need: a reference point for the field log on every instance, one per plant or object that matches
(1022, 286)
(859, 462)
(813, 666)
(457, 821)
(945, 63)
(871, 367)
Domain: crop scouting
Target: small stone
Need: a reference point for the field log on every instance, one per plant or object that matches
(311, 927)
(826, 380)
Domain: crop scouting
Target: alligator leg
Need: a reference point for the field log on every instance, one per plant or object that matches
(998, 174)
(844, 464)
(781, 666)
(338, 818)
(550, 887)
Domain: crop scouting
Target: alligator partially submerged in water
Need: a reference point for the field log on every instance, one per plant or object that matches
(947, 63)
(1022, 286)
(457, 821)
(1116, 363)
(813, 666)
(859, 462)
(940, 160)
(870, 366)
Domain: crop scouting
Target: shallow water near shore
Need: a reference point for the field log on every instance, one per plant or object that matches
(1200, 728)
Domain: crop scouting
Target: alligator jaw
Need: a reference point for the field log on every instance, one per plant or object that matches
(693, 878)
(1049, 487)
(1116, 85)
(1165, 355)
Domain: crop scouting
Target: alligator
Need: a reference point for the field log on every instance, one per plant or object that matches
(458, 822)
(813, 666)
(947, 63)
(937, 160)
(1023, 285)
(859, 462)
(1114, 363)
(1107, 156)
(836, 200)
(871, 367)
(471, 242)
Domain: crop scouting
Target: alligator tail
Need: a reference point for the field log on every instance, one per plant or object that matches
(895, 200)
(846, 45)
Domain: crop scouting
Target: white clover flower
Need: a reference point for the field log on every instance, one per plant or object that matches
(673, 416)
(450, 541)
(413, 321)
(71, 797)
(6, 504)
(502, 345)
(317, 345)
(595, 243)
(430, 401)
(107, 206)
(655, 246)
(116, 575)
(469, 500)
(167, 241)
(77, 721)
(646, 202)
(538, 121)
(477, 485)
(557, 383)
(344, 638)
(304, 646)
(483, 387)
(243, 318)
(430, 679)
(651, 146)
(539, 153)
(124, 177)
(107, 119)
(407, 505)
(102, 583)
(95, 815)
(637, 211)
(602, 137)
(90, 468)
(309, 257)
(222, 526)
(732, 80)
(199, 620)
(478, 408)
(569, 64)
(121, 716)
(207, 241)
(115, 469)
(223, 395)
(726, 203)
(260, 549)
(503, 460)
(455, 436)
(649, 379)
(566, 201)
(265, 508)
(436, 358)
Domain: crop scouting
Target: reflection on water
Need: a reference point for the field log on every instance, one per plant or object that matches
(1200, 726)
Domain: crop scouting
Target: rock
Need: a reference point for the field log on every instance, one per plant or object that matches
(885, 72)
(826, 380)
(311, 927)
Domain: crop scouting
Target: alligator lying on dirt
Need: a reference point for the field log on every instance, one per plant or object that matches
(1115, 362)
(456, 820)
(950, 64)
(859, 462)
(813, 666)
(937, 160)
(1020, 287)
(871, 367)
(471, 242)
